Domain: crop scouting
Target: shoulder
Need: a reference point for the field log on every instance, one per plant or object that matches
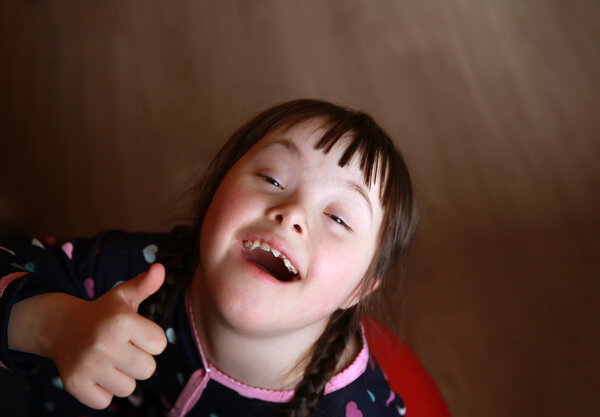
(368, 395)
(378, 398)
(136, 249)
(82, 266)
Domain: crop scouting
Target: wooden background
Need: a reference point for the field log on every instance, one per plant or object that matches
(109, 109)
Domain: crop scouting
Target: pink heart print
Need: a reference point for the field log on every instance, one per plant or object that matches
(67, 248)
(352, 410)
(89, 287)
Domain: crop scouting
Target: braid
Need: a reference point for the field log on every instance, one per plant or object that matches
(176, 256)
(328, 351)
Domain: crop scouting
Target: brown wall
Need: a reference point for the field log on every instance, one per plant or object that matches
(109, 108)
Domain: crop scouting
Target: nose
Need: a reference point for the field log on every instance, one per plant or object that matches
(290, 215)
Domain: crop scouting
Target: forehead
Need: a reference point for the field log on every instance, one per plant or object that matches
(304, 135)
(303, 140)
(294, 148)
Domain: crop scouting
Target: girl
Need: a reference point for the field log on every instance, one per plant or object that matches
(298, 221)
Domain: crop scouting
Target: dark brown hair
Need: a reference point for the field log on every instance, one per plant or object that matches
(379, 159)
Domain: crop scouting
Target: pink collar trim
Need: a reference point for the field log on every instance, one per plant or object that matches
(200, 378)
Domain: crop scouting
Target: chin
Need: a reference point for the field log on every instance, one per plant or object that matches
(251, 322)
(242, 312)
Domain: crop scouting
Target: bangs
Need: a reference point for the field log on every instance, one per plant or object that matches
(366, 142)
(362, 139)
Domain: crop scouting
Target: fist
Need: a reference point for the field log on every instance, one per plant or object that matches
(105, 345)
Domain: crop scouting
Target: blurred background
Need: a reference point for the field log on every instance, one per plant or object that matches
(110, 109)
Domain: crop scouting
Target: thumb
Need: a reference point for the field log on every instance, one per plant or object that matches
(137, 289)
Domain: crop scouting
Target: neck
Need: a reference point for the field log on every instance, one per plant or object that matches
(268, 361)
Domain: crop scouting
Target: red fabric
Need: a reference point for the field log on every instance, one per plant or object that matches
(405, 373)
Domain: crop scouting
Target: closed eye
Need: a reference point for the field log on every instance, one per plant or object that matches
(339, 220)
(272, 181)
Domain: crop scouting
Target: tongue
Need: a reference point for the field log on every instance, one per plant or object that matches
(269, 263)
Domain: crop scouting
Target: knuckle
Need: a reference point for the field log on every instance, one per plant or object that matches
(148, 369)
(160, 341)
(72, 383)
(119, 292)
(127, 388)
(101, 401)
(115, 324)
(158, 346)
(119, 320)
(156, 342)
(94, 398)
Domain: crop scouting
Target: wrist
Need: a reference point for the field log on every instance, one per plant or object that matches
(36, 322)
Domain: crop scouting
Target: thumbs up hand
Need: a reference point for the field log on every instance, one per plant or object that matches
(101, 347)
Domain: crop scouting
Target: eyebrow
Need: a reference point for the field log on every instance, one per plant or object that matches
(288, 145)
(360, 190)
(351, 185)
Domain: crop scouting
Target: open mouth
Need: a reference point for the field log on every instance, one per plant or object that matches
(270, 260)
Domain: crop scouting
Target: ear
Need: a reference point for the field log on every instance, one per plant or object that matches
(356, 295)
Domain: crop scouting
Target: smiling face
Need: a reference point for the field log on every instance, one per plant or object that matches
(289, 234)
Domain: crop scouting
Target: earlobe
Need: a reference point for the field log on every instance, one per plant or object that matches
(359, 294)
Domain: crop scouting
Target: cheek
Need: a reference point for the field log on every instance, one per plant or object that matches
(225, 211)
(348, 263)
(337, 275)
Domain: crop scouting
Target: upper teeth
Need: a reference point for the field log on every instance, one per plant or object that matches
(253, 244)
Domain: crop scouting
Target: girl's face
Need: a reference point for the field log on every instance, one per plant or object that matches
(289, 234)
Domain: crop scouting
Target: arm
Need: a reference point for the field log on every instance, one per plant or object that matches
(100, 347)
